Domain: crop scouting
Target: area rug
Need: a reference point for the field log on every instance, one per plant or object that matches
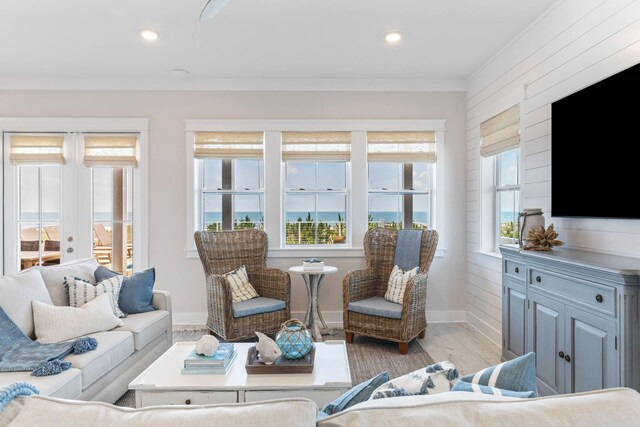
(367, 357)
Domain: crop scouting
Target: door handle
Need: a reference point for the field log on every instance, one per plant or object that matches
(561, 355)
(567, 358)
(69, 250)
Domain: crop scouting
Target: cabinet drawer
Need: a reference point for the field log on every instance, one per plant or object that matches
(601, 298)
(153, 398)
(321, 397)
(513, 269)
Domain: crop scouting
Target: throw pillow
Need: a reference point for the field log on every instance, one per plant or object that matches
(515, 378)
(398, 282)
(355, 395)
(55, 324)
(136, 292)
(81, 292)
(16, 294)
(54, 275)
(433, 379)
(241, 289)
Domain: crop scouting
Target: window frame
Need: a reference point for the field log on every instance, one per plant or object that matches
(499, 188)
(274, 171)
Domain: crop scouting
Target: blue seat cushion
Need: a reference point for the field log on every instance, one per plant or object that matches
(257, 305)
(377, 306)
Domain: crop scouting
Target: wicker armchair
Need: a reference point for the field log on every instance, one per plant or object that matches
(408, 319)
(224, 251)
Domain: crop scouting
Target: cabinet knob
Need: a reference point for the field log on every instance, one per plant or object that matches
(567, 358)
(599, 298)
(561, 355)
(187, 402)
(517, 270)
(538, 279)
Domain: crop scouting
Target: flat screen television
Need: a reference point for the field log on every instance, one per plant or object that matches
(595, 149)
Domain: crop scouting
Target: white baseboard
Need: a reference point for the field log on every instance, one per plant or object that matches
(492, 334)
(195, 320)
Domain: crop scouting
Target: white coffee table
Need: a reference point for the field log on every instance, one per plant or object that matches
(162, 383)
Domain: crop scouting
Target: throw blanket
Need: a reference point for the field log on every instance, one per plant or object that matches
(21, 388)
(18, 352)
(408, 249)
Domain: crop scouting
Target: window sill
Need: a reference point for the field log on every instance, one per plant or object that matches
(492, 254)
(315, 252)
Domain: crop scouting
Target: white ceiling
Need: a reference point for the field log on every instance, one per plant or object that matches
(254, 44)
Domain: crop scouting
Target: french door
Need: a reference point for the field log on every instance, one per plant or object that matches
(77, 205)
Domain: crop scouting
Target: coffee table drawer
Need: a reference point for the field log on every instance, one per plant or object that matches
(153, 398)
(321, 397)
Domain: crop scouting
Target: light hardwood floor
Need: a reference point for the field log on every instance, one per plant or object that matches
(462, 345)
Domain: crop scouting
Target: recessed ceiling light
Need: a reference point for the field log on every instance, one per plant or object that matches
(393, 37)
(149, 35)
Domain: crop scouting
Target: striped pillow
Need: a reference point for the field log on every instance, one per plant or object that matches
(81, 292)
(515, 378)
(433, 379)
(241, 289)
(398, 282)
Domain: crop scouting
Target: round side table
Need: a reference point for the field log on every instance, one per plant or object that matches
(313, 280)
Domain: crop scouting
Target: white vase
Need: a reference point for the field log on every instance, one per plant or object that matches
(528, 219)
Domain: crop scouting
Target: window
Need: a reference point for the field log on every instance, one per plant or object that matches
(231, 180)
(315, 199)
(507, 195)
(501, 140)
(400, 177)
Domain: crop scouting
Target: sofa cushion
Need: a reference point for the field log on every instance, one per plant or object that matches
(113, 348)
(610, 407)
(377, 306)
(517, 375)
(16, 294)
(54, 275)
(54, 324)
(41, 411)
(136, 292)
(146, 326)
(65, 385)
(256, 306)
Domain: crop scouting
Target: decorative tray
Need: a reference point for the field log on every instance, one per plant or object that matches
(303, 365)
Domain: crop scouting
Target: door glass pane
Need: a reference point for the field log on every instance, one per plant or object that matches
(385, 210)
(300, 218)
(301, 175)
(102, 194)
(248, 211)
(332, 212)
(212, 220)
(29, 193)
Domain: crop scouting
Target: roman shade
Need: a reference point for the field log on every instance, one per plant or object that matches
(501, 132)
(228, 145)
(401, 147)
(36, 149)
(110, 150)
(316, 146)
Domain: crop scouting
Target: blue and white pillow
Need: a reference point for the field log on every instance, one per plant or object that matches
(433, 379)
(81, 292)
(515, 378)
(357, 394)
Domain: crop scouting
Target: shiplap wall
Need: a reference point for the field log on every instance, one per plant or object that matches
(572, 45)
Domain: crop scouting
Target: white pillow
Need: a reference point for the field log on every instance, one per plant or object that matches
(54, 275)
(241, 289)
(16, 294)
(433, 379)
(54, 323)
(81, 292)
(398, 280)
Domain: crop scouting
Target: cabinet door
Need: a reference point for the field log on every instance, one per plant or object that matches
(591, 343)
(546, 339)
(514, 311)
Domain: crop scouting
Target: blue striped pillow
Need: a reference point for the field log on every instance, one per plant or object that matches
(515, 378)
(356, 395)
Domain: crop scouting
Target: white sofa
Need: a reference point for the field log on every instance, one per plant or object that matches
(124, 352)
(613, 407)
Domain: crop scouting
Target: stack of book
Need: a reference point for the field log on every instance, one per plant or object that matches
(312, 264)
(218, 364)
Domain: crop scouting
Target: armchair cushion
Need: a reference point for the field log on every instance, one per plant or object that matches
(241, 289)
(257, 305)
(377, 306)
(398, 280)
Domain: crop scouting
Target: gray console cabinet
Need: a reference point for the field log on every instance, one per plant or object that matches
(578, 311)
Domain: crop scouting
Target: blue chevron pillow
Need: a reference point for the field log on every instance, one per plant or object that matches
(515, 378)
